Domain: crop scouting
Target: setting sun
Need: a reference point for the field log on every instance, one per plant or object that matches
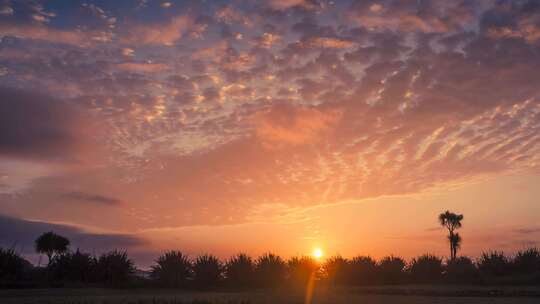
(317, 253)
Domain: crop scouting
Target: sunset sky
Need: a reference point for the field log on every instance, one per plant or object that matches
(280, 125)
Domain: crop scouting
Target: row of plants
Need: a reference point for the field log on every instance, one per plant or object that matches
(174, 269)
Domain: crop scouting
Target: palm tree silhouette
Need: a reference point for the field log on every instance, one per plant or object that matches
(51, 244)
(452, 221)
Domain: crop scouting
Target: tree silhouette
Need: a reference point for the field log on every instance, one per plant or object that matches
(52, 245)
(240, 271)
(452, 221)
(172, 269)
(207, 271)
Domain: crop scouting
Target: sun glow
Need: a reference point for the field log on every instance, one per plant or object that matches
(317, 253)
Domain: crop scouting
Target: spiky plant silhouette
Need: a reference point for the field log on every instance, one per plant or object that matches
(207, 271)
(391, 269)
(336, 270)
(527, 261)
(301, 270)
(13, 267)
(114, 268)
(74, 267)
(240, 271)
(52, 245)
(426, 269)
(493, 264)
(452, 221)
(363, 270)
(270, 270)
(172, 269)
(461, 270)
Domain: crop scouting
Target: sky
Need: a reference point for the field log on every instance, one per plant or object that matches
(281, 125)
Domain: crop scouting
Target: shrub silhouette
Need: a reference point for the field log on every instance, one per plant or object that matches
(114, 268)
(461, 271)
(73, 267)
(337, 270)
(426, 269)
(51, 244)
(527, 261)
(240, 271)
(172, 269)
(301, 270)
(363, 270)
(391, 270)
(270, 270)
(494, 264)
(13, 268)
(207, 271)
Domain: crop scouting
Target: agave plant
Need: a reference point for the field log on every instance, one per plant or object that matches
(12, 266)
(363, 270)
(391, 269)
(73, 267)
(301, 270)
(494, 264)
(172, 269)
(240, 271)
(114, 268)
(527, 261)
(270, 270)
(207, 271)
(426, 269)
(337, 270)
(461, 271)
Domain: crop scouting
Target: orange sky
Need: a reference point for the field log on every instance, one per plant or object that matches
(270, 125)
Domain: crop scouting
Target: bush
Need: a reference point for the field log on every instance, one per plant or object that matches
(426, 269)
(301, 270)
(493, 264)
(363, 270)
(207, 271)
(114, 268)
(336, 270)
(240, 271)
(391, 269)
(527, 262)
(13, 268)
(270, 270)
(172, 269)
(73, 267)
(461, 271)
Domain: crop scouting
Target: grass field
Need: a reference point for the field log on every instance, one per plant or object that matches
(376, 295)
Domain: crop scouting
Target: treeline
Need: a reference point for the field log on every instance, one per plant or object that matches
(176, 270)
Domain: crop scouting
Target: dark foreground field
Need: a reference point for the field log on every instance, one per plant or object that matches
(376, 295)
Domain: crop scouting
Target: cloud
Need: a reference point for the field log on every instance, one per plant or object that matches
(158, 34)
(139, 67)
(92, 198)
(21, 234)
(38, 126)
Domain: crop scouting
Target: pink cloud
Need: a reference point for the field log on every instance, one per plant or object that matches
(158, 34)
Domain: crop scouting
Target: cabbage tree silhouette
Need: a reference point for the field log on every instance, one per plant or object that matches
(52, 245)
(270, 270)
(461, 270)
(240, 271)
(73, 267)
(363, 270)
(337, 270)
(301, 270)
(493, 264)
(114, 268)
(452, 221)
(207, 271)
(13, 268)
(391, 269)
(172, 269)
(527, 261)
(426, 269)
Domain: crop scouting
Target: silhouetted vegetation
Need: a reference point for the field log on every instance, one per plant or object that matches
(240, 272)
(426, 269)
(363, 271)
(52, 245)
(172, 269)
(452, 221)
(13, 268)
(207, 271)
(270, 270)
(114, 268)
